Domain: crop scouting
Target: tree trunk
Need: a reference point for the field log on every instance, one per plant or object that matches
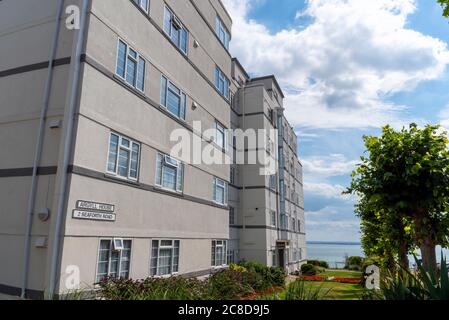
(428, 254)
(402, 254)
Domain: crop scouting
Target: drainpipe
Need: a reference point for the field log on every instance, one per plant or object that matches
(68, 138)
(39, 148)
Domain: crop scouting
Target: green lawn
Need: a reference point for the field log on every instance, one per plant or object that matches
(341, 273)
(338, 291)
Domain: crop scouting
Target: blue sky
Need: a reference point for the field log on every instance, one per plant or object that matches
(347, 68)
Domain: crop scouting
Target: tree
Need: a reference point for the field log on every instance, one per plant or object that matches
(384, 234)
(445, 5)
(407, 173)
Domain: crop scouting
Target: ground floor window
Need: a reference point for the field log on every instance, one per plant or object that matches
(219, 253)
(164, 257)
(232, 256)
(114, 259)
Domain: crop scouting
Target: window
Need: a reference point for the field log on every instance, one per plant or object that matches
(130, 66)
(294, 224)
(273, 218)
(220, 191)
(144, 4)
(219, 253)
(123, 159)
(112, 262)
(232, 216)
(283, 221)
(173, 99)
(164, 257)
(233, 175)
(299, 225)
(222, 33)
(273, 182)
(220, 135)
(221, 83)
(232, 256)
(175, 30)
(282, 192)
(169, 173)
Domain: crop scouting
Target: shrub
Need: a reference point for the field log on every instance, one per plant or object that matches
(271, 276)
(308, 269)
(354, 261)
(228, 285)
(319, 263)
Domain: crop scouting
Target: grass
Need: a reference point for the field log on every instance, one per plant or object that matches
(341, 273)
(339, 291)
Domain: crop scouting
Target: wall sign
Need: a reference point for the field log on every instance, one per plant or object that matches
(90, 215)
(88, 205)
(88, 210)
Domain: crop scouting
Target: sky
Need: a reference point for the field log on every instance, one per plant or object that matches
(347, 68)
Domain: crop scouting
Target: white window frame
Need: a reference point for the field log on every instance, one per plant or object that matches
(128, 56)
(222, 78)
(221, 28)
(111, 248)
(222, 184)
(172, 247)
(132, 142)
(182, 97)
(221, 130)
(273, 219)
(168, 161)
(180, 26)
(143, 4)
(219, 244)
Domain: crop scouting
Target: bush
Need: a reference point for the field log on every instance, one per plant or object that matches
(271, 276)
(230, 284)
(352, 262)
(299, 290)
(308, 269)
(319, 263)
(174, 288)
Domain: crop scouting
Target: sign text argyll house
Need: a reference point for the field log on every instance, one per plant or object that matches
(88, 210)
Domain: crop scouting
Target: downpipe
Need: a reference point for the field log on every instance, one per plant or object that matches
(39, 148)
(68, 139)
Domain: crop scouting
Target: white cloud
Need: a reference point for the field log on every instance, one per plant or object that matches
(339, 71)
(330, 191)
(332, 165)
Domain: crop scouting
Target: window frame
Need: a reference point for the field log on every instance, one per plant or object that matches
(180, 166)
(136, 60)
(130, 149)
(111, 245)
(222, 130)
(182, 98)
(221, 27)
(139, 3)
(172, 247)
(175, 18)
(221, 77)
(214, 246)
(225, 187)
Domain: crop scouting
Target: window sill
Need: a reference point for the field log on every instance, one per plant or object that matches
(170, 191)
(121, 179)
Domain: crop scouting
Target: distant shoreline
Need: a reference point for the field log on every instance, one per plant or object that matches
(335, 243)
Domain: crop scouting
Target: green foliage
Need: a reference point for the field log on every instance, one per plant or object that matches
(319, 263)
(299, 290)
(420, 286)
(445, 5)
(403, 185)
(309, 269)
(239, 280)
(237, 267)
(174, 288)
(272, 276)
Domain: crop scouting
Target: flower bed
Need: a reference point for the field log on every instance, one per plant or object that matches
(332, 279)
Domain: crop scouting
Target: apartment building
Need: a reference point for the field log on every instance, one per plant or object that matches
(89, 185)
(266, 211)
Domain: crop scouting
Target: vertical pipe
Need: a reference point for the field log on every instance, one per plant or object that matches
(39, 147)
(68, 139)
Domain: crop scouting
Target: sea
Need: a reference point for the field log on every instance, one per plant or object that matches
(335, 253)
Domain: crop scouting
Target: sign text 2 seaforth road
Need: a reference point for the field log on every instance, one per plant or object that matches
(88, 210)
